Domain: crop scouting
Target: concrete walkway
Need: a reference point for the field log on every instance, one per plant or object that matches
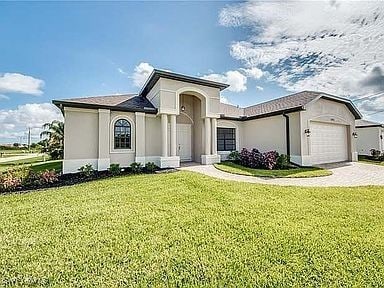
(18, 157)
(344, 175)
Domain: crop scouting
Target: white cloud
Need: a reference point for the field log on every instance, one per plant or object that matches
(259, 88)
(121, 71)
(224, 100)
(331, 46)
(253, 72)
(141, 74)
(4, 97)
(236, 80)
(19, 83)
(15, 123)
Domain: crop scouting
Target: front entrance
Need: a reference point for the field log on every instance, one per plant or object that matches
(184, 142)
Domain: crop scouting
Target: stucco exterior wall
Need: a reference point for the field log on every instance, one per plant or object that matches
(327, 111)
(369, 138)
(168, 101)
(81, 138)
(265, 134)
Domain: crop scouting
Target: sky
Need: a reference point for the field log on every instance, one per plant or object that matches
(264, 50)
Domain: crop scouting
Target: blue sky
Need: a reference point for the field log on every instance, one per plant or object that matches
(72, 49)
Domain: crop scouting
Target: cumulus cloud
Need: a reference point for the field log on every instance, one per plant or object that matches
(331, 46)
(253, 72)
(141, 73)
(14, 123)
(236, 80)
(19, 83)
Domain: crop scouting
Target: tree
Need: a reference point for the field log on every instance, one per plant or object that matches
(54, 139)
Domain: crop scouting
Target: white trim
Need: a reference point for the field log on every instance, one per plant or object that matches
(210, 159)
(103, 164)
(230, 124)
(112, 149)
(83, 110)
(72, 165)
(169, 162)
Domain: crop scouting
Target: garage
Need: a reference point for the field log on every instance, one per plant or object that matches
(329, 143)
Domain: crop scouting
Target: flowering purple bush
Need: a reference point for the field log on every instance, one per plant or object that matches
(270, 159)
(258, 160)
(245, 157)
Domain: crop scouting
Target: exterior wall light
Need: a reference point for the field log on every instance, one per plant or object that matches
(307, 132)
(182, 108)
(354, 134)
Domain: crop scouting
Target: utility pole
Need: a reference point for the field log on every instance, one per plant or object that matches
(29, 139)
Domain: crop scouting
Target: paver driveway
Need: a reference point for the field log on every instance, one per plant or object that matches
(344, 174)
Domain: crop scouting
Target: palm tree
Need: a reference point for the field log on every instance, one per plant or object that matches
(54, 135)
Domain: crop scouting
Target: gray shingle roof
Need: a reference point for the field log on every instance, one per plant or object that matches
(297, 100)
(366, 123)
(293, 102)
(123, 102)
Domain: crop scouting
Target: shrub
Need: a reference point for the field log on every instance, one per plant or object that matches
(151, 167)
(234, 156)
(282, 161)
(245, 157)
(87, 170)
(10, 180)
(255, 159)
(114, 169)
(136, 168)
(375, 153)
(270, 159)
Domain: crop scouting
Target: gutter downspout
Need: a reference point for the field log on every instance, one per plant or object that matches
(287, 134)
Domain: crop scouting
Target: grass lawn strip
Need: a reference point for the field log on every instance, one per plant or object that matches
(301, 172)
(186, 229)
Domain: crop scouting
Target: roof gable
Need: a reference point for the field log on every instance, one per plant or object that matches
(157, 74)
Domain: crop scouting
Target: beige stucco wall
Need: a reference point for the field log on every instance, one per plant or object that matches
(265, 134)
(81, 131)
(164, 96)
(327, 111)
(369, 138)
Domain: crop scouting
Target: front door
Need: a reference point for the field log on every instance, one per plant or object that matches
(184, 145)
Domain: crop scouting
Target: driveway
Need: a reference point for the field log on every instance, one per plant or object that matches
(344, 174)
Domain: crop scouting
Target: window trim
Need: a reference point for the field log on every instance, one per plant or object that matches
(112, 149)
(129, 137)
(234, 133)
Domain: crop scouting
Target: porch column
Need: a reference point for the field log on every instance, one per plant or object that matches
(173, 134)
(164, 135)
(207, 124)
(214, 136)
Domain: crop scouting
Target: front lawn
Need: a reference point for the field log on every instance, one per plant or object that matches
(186, 229)
(300, 172)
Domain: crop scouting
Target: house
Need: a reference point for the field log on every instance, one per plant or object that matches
(177, 118)
(371, 136)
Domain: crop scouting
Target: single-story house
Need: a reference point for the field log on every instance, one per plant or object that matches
(177, 118)
(371, 136)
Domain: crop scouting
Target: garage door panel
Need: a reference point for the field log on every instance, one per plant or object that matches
(328, 143)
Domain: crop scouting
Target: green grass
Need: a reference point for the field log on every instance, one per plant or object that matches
(22, 162)
(186, 229)
(48, 165)
(301, 172)
(365, 159)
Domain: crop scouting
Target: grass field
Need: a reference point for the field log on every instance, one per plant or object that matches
(302, 172)
(186, 229)
(36, 163)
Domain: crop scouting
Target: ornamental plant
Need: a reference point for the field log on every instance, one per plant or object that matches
(270, 159)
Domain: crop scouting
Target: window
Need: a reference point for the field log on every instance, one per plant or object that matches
(122, 134)
(226, 139)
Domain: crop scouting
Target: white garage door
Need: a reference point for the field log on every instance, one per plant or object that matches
(328, 143)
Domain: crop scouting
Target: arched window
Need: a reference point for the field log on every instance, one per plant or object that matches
(122, 134)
